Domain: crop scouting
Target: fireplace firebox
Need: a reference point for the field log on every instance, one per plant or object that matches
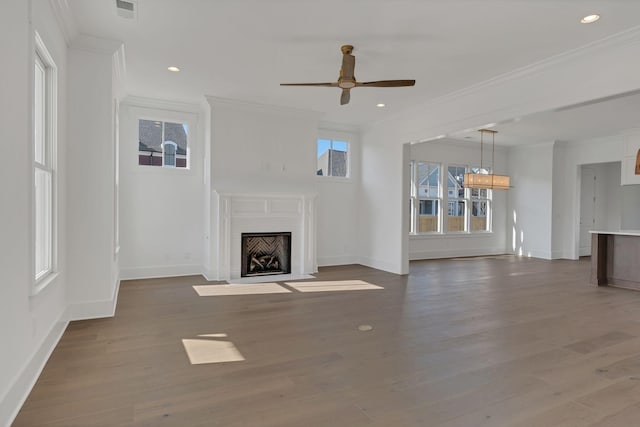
(265, 253)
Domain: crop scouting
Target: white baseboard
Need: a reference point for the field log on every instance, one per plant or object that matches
(210, 275)
(380, 265)
(94, 309)
(156, 271)
(325, 261)
(11, 403)
(455, 253)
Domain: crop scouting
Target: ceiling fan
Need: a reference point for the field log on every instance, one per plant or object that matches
(347, 80)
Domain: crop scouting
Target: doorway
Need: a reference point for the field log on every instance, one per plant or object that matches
(600, 201)
(587, 208)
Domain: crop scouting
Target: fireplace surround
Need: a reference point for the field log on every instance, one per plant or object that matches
(233, 214)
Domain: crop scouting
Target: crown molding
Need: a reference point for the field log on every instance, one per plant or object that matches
(339, 127)
(65, 19)
(623, 38)
(162, 104)
(216, 102)
(629, 38)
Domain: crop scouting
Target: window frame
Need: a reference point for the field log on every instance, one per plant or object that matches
(416, 199)
(174, 154)
(331, 140)
(46, 272)
(488, 199)
(468, 199)
(164, 119)
(464, 200)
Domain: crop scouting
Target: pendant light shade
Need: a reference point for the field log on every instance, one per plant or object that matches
(489, 181)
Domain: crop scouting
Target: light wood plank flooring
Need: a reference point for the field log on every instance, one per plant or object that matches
(469, 342)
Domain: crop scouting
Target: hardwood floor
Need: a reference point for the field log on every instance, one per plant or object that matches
(468, 342)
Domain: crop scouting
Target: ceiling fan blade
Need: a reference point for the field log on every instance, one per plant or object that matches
(388, 83)
(345, 97)
(334, 84)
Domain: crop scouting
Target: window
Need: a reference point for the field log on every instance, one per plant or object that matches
(480, 206)
(467, 210)
(456, 204)
(333, 158)
(44, 159)
(162, 144)
(170, 150)
(426, 196)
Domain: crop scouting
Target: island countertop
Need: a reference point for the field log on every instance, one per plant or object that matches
(618, 232)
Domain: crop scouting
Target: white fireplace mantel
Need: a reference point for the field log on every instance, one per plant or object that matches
(235, 213)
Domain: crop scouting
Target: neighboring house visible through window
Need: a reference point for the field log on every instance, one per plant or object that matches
(162, 144)
(44, 160)
(467, 210)
(456, 206)
(333, 158)
(426, 197)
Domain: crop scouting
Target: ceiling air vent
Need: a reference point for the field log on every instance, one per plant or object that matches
(127, 8)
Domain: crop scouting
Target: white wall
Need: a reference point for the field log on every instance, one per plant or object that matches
(440, 246)
(383, 230)
(161, 209)
(93, 275)
(630, 207)
(530, 201)
(608, 196)
(30, 324)
(567, 188)
(338, 212)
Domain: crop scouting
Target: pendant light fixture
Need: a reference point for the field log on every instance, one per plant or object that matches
(482, 179)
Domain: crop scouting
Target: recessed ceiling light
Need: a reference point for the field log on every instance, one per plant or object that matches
(174, 69)
(380, 105)
(590, 19)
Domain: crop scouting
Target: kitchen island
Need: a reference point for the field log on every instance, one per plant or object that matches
(615, 258)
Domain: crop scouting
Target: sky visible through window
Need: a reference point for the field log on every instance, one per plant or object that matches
(326, 144)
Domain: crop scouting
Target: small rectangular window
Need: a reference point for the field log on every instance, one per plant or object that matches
(162, 144)
(332, 158)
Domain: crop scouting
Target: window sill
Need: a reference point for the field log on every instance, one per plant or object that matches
(161, 170)
(343, 180)
(454, 235)
(42, 283)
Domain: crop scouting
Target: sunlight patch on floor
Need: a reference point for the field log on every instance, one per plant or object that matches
(201, 351)
(333, 286)
(270, 278)
(238, 289)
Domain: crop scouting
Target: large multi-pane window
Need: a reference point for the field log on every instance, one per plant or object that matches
(44, 159)
(440, 203)
(426, 197)
(332, 158)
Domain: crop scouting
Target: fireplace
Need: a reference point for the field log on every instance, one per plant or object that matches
(265, 253)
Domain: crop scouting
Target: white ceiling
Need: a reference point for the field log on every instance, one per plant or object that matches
(599, 118)
(243, 49)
